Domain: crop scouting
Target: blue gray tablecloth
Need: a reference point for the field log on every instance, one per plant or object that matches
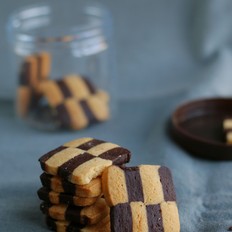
(191, 59)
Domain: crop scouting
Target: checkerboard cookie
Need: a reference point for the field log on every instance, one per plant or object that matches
(34, 68)
(141, 198)
(72, 86)
(139, 217)
(26, 81)
(81, 215)
(44, 65)
(82, 160)
(28, 72)
(66, 226)
(78, 114)
(227, 126)
(59, 198)
(146, 183)
(77, 102)
(55, 183)
(24, 95)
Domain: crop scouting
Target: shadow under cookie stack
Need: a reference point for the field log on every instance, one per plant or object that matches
(88, 188)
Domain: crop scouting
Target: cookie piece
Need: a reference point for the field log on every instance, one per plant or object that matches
(35, 68)
(227, 126)
(103, 95)
(80, 87)
(78, 114)
(54, 91)
(137, 217)
(72, 86)
(55, 183)
(29, 71)
(24, 96)
(146, 183)
(59, 198)
(81, 215)
(84, 159)
(44, 66)
(29, 79)
(66, 226)
(76, 100)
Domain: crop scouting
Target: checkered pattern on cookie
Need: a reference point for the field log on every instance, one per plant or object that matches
(27, 80)
(81, 215)
(34, 68)
(78, 114)
(55, 183)
(72, 86)
(137, 216)
(66, 226)
(146, 183)
(44, 65)
(64, 198)
(141, 198)
(24, 96)
(84, 159)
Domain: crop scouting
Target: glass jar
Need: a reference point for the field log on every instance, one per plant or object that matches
(63, 53)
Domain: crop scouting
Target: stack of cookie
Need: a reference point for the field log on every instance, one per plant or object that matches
(72, 189)
(72, 102)
(78, 174)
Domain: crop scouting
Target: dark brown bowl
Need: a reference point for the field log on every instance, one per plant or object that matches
(197, 127)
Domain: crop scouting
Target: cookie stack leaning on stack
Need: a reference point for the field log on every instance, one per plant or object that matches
(72, 190)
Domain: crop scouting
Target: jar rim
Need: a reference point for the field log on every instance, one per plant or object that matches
(97, 27)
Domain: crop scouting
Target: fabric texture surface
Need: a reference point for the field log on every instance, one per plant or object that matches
(204, 188)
